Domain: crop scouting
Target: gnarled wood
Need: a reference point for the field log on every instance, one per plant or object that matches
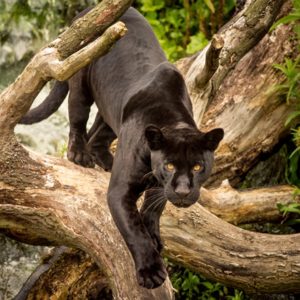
(66, 273)
(250, 110)
(69, 208)
(240, 35)
(66, 210)
(241, 94)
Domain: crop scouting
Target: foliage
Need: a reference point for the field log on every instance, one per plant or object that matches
(291, 89)
(193, 286)
(182, 26)
(291, 213)
(185, 26)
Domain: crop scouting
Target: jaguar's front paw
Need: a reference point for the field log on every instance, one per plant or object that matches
(80, 156)
(152, 275)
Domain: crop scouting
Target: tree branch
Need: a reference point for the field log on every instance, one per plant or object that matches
(90, 26)
(63, 210)
(254, 262)
(62, 70)
(240, 35)
(16, 99)
(248, 206)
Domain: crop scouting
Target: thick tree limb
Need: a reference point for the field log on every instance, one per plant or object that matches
(245, 103)
(240, 207)
(62, 213)
(65, 210)
(240, 35)
(80, 274)
(254, 262)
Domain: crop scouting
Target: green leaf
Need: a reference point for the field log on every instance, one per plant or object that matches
(208, 285)
(197, 43)
(287, 19)
(210, 5)
(291, 117)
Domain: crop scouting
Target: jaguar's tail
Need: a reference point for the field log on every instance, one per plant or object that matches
(49, 105)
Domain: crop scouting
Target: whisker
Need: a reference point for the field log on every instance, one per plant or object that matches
(155, 204)
(160, 204)
(154, 188)
(153, 195)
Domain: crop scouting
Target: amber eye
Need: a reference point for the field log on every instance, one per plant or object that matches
(170, 167)
(197, 167)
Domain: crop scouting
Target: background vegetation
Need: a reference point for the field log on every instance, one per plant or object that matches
(182, 27)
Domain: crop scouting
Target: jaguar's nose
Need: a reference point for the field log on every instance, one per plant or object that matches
(182, 191)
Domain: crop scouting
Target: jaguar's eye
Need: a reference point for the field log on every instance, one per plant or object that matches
(170, 167)
(197, 167)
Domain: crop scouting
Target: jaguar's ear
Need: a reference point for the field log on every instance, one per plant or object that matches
(154, 137)
(213, 138)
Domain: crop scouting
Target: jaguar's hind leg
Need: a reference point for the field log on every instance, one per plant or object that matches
(79, 109)
(100, 137)
(152, 208)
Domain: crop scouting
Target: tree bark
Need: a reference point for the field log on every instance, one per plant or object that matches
(67, 273)
(248, 206)
(240, 96)
(43, 199)
(64, 210)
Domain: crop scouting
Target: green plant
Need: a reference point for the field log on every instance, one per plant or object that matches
(185, 26)
(182, 26)
(291, 89)
(292, 17)
(290, 212)
(192, 286)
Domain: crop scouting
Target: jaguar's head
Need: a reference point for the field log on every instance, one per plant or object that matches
(182, 160)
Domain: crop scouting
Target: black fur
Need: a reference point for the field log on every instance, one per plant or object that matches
(142, 99)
